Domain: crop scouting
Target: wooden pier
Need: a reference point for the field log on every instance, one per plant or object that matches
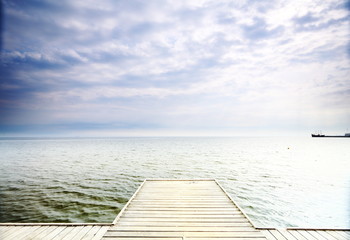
(171, 210)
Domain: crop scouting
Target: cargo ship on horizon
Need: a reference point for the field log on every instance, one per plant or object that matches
(323, 135)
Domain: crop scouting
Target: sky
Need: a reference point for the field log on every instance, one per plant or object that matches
(174, 68)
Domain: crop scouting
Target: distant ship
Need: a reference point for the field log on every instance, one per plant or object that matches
(323, 135)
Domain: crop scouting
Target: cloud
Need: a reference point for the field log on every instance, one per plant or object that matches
(259, 30)
(310, 22)
(164, 63)
(308, 18)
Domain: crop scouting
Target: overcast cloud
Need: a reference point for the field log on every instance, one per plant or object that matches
(199, 67)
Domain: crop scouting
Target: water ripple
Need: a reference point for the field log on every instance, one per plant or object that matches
(275, 180)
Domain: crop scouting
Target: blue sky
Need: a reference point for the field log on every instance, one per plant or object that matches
(199, 67)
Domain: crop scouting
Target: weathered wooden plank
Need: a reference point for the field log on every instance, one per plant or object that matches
(182, 213)
(101, 232)
(4, 229)
(286, 234)
(181, 208)
(53, 224)
(208, 219)
(32, 234)
(193, 199)
(191, 181)
(316, 235)
(189, 220)
(187, 192)
(268, 235)
(91, 233)
(296, 234)
(179, 186)
(63, 233)
(324, 235)
(185, 234)
(140, 238)
(179, 189)
(344, 233)
(71, 235)
(22, 231)
(174, 189)
(169, 186)
(184, 199)
(180, 202)
(337, 235)
(180, 229)
(181, 183)
(277, 235)
(184, 207)
(182, 216)
(12, 231)
(209, 200)
(185, 211)
(197, 184)
(189, 204)
(228, 238)
(306, 234)
(167, 196)
(55, 232)
(83, 232)
(180, 238)
(46, 232)
(191, 193)
(174, 198)
(175, 209)
(175, 206)
(185, 224)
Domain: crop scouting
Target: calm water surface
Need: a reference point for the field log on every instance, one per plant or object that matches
(301, 182)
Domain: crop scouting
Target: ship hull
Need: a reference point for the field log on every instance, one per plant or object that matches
(321, 136)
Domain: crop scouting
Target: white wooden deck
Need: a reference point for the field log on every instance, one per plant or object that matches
(176, 209)
(52, 231)
(171, 210)
(306, 234)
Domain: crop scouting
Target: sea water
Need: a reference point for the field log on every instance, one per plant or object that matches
(278, 181)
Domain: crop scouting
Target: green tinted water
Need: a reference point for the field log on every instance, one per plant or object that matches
(278, 181)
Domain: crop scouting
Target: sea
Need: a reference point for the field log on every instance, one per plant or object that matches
(277, 181)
